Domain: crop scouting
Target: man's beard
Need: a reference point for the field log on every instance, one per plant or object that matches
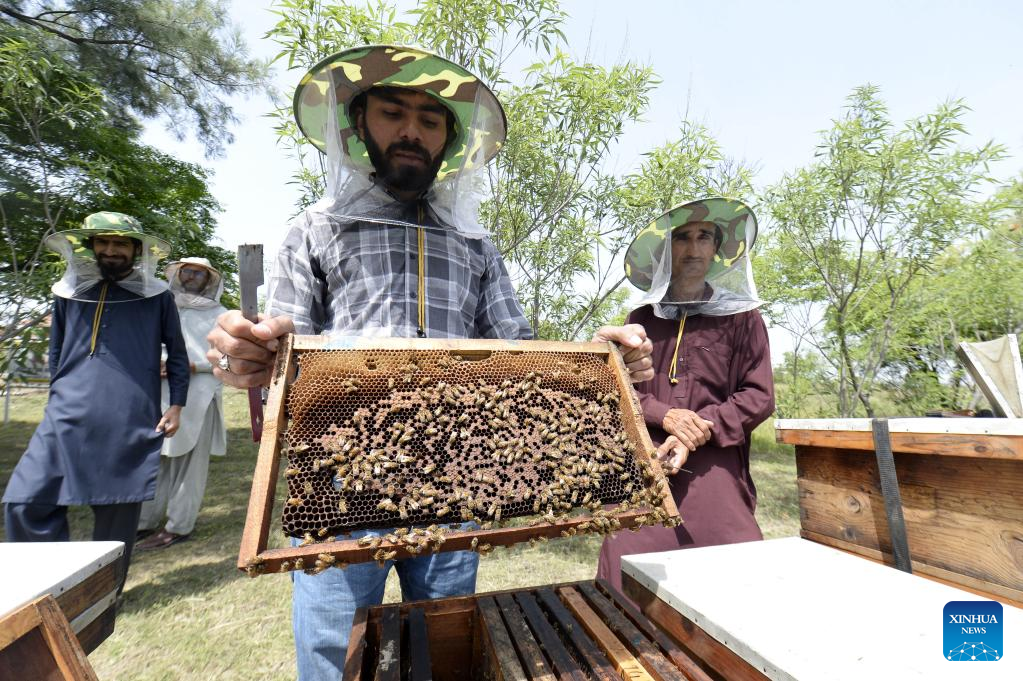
(406, 178)
(116, 270)
(193, 286)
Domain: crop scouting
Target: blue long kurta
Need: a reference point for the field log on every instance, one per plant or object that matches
(97, 443)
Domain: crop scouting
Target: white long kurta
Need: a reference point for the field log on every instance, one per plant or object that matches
(202, 389)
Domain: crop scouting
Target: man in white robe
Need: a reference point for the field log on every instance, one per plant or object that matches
(185, 459)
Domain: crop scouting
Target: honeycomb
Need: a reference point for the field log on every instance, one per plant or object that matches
(382, 438)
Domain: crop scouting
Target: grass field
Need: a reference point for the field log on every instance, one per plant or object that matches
(189, 614)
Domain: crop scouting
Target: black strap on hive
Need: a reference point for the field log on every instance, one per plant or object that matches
(890, 490)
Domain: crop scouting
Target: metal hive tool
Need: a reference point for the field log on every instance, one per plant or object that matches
(413, 433)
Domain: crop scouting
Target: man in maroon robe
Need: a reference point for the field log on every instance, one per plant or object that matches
(713, 383)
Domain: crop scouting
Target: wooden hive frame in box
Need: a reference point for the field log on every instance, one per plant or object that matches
(376, 363)
(575, 631)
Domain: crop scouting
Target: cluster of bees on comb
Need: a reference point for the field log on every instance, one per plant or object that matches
(427, 443)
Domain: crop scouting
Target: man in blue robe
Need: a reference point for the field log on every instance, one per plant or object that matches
(100, 437)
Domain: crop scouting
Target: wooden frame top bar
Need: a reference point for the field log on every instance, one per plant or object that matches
(328, 342)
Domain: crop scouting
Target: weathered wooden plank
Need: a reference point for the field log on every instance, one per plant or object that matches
(98, 630)
(357, 642)
(598, 665)
(420, 667)
(679, 657)
(996, 445)
(498, 654)
(533, 661)
(89, 591)
(448, 641)
(389, 646)
(657, 664)
(264, 479)
(565, 667)
(626, 664)
(962, 515)
(721, 662)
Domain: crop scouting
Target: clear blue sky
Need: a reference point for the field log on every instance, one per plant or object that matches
(765, 77)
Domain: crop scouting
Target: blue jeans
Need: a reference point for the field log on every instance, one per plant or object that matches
(323, 605)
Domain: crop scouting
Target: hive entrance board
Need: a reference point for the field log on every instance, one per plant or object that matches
(424, 434)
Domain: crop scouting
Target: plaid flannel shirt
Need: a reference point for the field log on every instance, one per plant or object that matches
(342, 276)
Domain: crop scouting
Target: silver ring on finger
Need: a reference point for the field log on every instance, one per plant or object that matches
(224, 364)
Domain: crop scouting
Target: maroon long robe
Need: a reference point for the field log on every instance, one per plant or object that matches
(724, 375)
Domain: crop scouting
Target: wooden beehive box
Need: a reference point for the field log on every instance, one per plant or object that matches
(961, 483)
(582, 630)
(36, 642)
(81, 576)
(425, 435)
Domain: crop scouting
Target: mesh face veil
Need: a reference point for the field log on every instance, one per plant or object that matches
(665, 263)
(331, 101)
(330, 124)
(83, 272)
(204, 299)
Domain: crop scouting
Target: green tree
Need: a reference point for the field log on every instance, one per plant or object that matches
(854, 231)
(560, 219)
(803, 385)
(973, 295)
(59, 161)
(172, 58)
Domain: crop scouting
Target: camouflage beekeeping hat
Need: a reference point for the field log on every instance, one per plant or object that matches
(734, 218)
(480, 124)
(107, 224)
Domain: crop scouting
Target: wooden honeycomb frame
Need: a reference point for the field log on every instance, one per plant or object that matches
(254, 556)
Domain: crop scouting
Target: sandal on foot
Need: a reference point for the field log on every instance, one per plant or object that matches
(160, 540)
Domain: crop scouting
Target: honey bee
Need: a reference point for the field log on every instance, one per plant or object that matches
(294, 501)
